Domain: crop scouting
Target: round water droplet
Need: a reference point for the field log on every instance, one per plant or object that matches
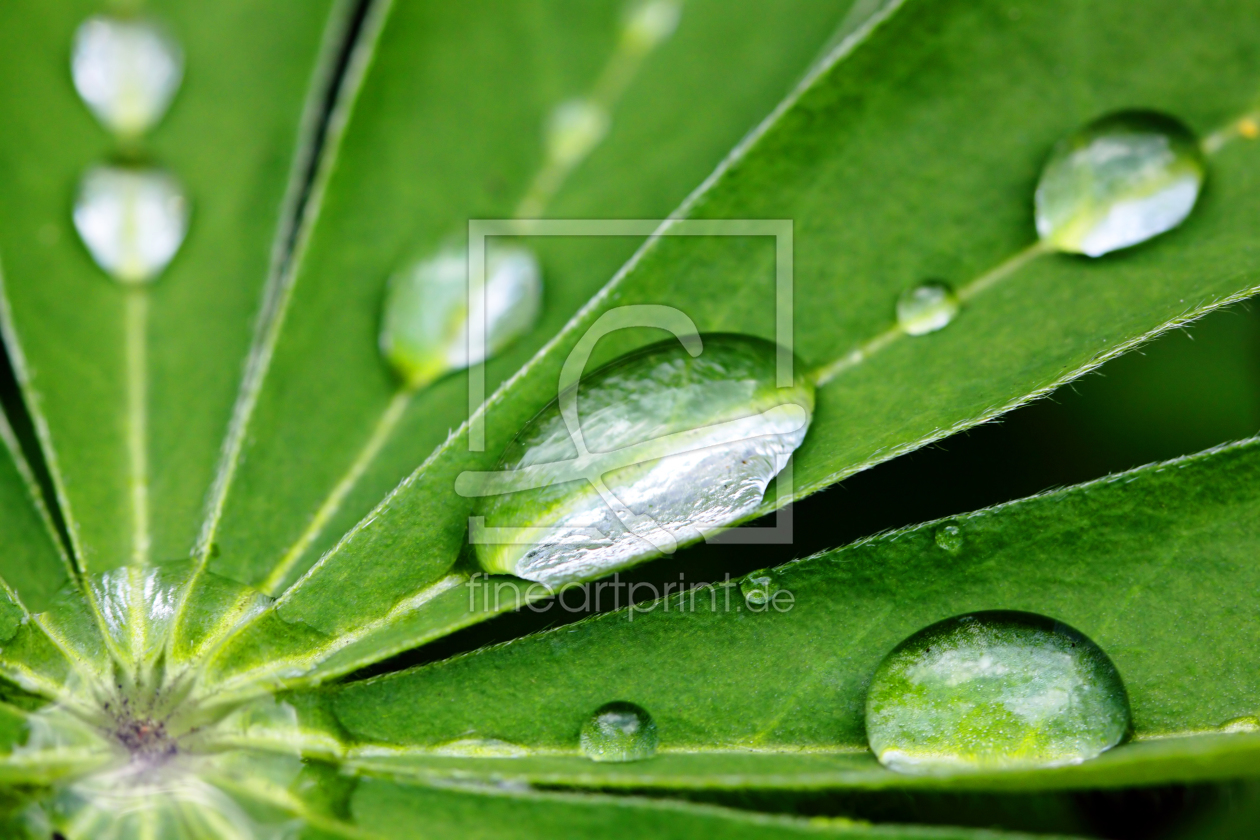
(949, 537)
(132, 220)
(425, 327)
(649, 23)
(758, 591)
(992, 691)
(677, 446)
(619, 732)
(574, 128)
(126, 70)
(1119, 181)
(926, 308)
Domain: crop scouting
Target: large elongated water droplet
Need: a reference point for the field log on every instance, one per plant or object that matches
(676, 446)
(127, 71)
(926, 308)
(1119, 181)
(619, 732)
(424, 331)
(994, 690)
(131, 220)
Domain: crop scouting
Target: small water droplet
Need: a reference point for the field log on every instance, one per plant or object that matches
(619, 732)
(949, 537)
(574, 128)
(132, 220)
(1241, 725)
(926, 308)
(991, 691)
(758, 591)
(649, 23)
(126, 70)
(1119, 181)
(424, 329)
(481, 748)
(680, 445)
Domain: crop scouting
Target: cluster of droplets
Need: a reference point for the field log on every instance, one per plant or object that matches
(426, 323)
(131, 215)
(1118, 182)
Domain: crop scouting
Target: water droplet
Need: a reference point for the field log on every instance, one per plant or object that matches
(949, 537)
(649, 23)
(1241, 725)
(926, 308)
(424, 331)
(758, 591)
(131, 220)
(127, 71)
(480, 748)
(619, 732)
(574, 128)
(1119, 181)
(991, 691)
(678, 446)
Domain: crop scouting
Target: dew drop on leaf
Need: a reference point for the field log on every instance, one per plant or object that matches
(926, 308)
(1118, 181)
(425, 326)
(758, 591)
(949, 537)
(649, 23)
(126, 70)
(619, 732)
(574, 128)
(132, 220)
(993, 691)
(678, 446)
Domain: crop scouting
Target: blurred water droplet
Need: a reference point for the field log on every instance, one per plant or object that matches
(481, 748)
(1118, 181)
(949, 537)
(425, 327)
(991, 691)
(758, 591)
(127, 71)
(926, 308)
(574, 128)
(649, 23)
(132, 221)
(706, 435)
(1241, 725)
(619, 732)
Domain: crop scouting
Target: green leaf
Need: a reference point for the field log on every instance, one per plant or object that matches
(228, 138)
(1133, 561)
(447, 126)
(892, 175)
(389, 809)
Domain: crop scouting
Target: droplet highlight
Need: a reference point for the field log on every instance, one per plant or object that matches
(132, 220)
(575, 128)
(425, 325)
(126, 70)
(994, 691)
(676, 446)
(1119, 181)
(949, 537)
(758, 591)
(926, 308)
(649, 23)
(619, 732)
